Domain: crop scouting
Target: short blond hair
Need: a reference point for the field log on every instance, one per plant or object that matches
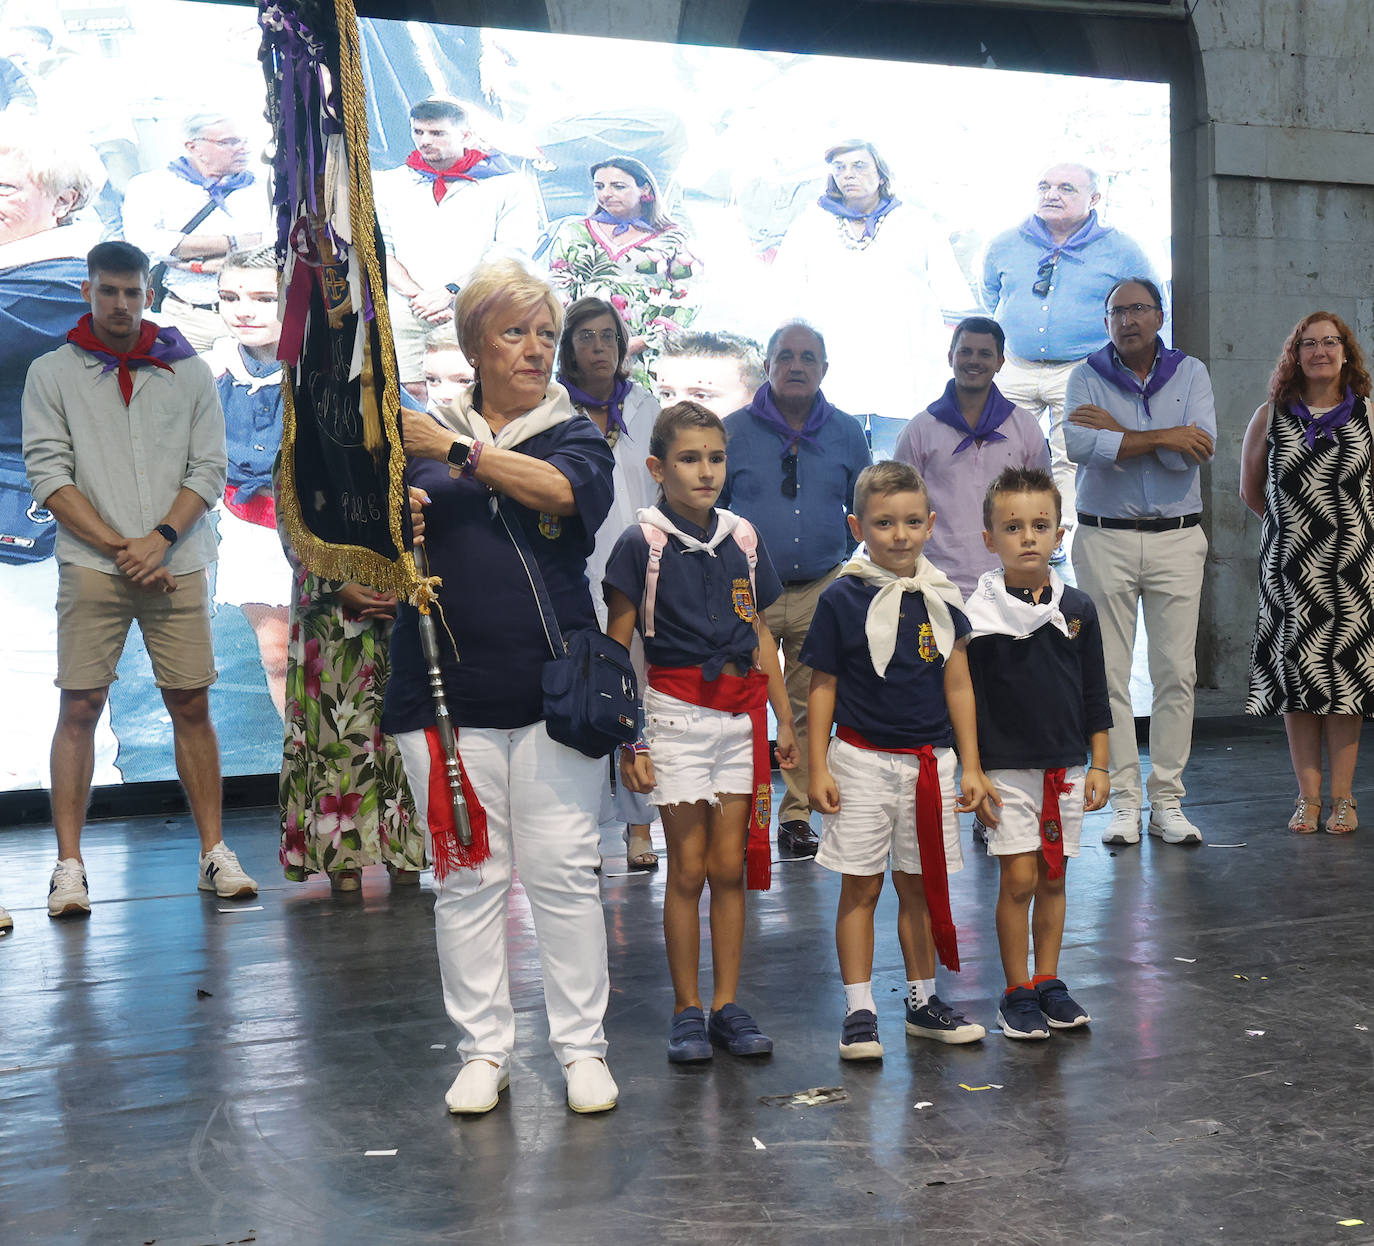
(885, 478)
(500, 284)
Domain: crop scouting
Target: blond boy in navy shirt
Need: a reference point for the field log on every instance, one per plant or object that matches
(890, 672)
(1035, 653)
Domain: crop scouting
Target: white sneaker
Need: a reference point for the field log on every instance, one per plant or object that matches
(476, 1088)
(1124, 828)
(221, 873)
(1170, 824)
(591, 1088)
(67, 891)
(6, 922)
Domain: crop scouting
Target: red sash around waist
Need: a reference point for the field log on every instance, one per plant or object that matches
(734, 694)
(930, 838)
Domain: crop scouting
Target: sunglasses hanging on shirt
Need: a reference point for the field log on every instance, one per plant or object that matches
(789, 475)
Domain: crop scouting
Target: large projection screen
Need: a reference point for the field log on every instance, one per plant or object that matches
(736, 140)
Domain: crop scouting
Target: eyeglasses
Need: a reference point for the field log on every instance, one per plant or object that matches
(223, 142)
(1131, 310)
(1326, 343)
(1043, 276)
(587, 337)
(789, 475)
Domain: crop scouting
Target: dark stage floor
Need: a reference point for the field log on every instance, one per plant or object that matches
(179, 1070)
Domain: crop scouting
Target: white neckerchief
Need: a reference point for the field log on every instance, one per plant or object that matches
(936, 588)
(993, 611)
(225, 356)
(725, 525)
(552, 411)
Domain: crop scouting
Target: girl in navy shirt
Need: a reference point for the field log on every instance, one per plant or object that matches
(695, 581)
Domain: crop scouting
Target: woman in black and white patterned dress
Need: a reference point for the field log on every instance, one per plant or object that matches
(1306, 471)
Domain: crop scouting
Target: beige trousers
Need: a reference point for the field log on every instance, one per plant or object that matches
(1161, 572)
(1040, 388)
(789, 619)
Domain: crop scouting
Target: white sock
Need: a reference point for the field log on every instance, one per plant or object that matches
(919, 991)
(858, 995)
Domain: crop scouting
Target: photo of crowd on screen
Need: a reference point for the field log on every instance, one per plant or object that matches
(735, 142)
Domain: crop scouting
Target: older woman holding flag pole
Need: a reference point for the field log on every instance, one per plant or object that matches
(518, 483)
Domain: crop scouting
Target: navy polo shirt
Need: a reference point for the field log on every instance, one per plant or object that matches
(1041, 698)
(906, 707)
(703, 612)
(488, 602)
(807, 535)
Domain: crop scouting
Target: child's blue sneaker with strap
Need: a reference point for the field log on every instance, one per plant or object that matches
(859, 1038)
(687, 1041)
(735, 1030)
(1059, 1007)
(1020, 1014)
(936, 1019)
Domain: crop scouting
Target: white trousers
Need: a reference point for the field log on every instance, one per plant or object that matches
(1041, 388)
(541, 802)
(1161, 572)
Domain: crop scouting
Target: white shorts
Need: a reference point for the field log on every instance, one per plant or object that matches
(877, 817)
(252, 567)
(1023, 795)
(698, 753)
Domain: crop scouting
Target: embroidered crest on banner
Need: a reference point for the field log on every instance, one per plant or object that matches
(763, 804)
(925, 643)
(742, 600)
(1052, 833)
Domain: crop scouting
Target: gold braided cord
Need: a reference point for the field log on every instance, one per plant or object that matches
(363, 217)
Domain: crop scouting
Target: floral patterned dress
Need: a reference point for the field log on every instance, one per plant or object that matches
(344, 800)
(648, 281)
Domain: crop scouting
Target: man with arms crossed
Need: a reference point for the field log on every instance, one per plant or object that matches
(124, 443)
(1044, 281)
(1141, 420)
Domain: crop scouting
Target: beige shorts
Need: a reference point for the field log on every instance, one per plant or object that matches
(94, 610)
(876, 823)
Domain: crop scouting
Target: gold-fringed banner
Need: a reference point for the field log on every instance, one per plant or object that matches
(343, 494)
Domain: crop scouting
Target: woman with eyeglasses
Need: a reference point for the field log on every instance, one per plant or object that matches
(594, 367)
(631, 253)
(1305, 470)
(858, 252)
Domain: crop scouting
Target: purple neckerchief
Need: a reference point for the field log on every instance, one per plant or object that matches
(1107, 364)
(218, 188)
(766, 410)
(838, 207)
(996, 411)
(622, 226)
(615, 405)
(1037, 231)
(1325, 425)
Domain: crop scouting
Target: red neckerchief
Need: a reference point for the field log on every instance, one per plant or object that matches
(735, 694)
(458, 169)
(930, 839)
(84, 336)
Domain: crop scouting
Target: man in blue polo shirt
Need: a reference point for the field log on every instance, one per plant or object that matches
(1044, 282)
(792, 460)
(1141, 420)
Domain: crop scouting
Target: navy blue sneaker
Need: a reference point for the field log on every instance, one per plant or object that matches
(936, 1019)
(1059, 1007)
(735, 1030)
(687, 1041)
(859, 1039)
(1020, 1014)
